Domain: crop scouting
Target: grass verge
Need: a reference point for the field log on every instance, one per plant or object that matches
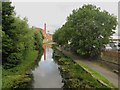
(95, 74)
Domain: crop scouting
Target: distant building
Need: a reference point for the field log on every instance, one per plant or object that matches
(47, 36)
(114, 44)
(116, 38)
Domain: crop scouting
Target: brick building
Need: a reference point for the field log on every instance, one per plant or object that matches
(47, 36)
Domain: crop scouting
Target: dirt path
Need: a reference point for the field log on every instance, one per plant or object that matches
(111, 76)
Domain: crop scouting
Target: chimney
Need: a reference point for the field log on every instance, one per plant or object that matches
(45, 27)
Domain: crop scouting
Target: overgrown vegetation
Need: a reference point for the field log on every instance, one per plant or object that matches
(74, 76)
(20, 74)
(21, 45)
(87, 31)
(0, 44)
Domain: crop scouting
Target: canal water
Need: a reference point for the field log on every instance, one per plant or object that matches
(47, 74)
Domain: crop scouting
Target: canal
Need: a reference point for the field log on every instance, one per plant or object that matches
(47, 74)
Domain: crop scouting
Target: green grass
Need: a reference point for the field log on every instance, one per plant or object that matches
(96, 74)
(19, 75)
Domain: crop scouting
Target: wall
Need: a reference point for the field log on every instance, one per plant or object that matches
(110, 56)
(111, 59)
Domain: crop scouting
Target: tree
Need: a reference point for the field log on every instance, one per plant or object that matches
(7, 20)
(38, 39)
(89, 29)
(7, 17)
(17, 37)
(0, 12)
(0, 28)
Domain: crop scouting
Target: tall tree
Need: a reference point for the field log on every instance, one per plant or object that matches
(7, 17)
(7, 21)
(88, 29)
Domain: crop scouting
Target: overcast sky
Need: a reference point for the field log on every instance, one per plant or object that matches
(54, 13)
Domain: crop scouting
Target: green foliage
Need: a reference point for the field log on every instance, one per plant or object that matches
(18, 76)
(59, 37)
(15, 45)
(0, 5)
(38, 40)
(87, 29)
(75, 76)
(18, 49)
(1, 38)
(6, 47)
(0, 12)
(7, 21)
(17, 37)
(7, 17)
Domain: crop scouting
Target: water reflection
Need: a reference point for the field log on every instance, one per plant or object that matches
(47, 75)
(46, 47)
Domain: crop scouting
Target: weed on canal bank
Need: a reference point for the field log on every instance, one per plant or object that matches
(75, 76)
(20, 76)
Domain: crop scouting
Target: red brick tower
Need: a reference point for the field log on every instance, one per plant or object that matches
(45, 27)
(45, 36)
(44, 30)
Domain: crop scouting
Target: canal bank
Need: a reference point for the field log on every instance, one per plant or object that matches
(20, 76)
(103, 73)
(54, 70)
(75, 76)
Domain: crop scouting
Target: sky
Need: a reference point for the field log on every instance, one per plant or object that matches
(54, 13)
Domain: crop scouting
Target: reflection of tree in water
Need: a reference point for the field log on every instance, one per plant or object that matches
(38, 59)
(36, 63)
